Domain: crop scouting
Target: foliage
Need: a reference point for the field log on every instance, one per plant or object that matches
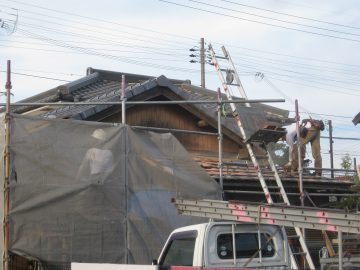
(349, 203)
(346, 162)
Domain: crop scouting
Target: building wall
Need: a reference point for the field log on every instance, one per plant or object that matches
(176, 117)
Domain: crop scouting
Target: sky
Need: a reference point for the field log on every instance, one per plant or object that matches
(282, 49)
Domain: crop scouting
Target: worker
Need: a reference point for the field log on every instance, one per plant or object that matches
(98, 163)
(291, 140)
(313, 136)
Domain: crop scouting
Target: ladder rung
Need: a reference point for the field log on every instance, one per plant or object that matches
(242, 164)
(280, 204)
(221, 57)
(233, 84)
(293, 236)
(274, 187)
(299, 253)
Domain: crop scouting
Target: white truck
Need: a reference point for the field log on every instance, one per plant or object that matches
(216, 245)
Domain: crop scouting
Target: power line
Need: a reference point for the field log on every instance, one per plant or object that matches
(297, 64)
(331, 115)
(292, 56)
(312, 81)
(311, 59)
(107, 50)
(274, 19)
(259, 22)
(103, 31)
(291, 15)
(103, 55)
(94, 37)
(58, 51)
(99, 20)
(351, 81)
(35, 76)
(112, 29)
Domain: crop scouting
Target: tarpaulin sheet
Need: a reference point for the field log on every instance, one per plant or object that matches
(97, 192)
(2, 180)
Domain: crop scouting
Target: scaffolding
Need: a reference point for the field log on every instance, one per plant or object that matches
(123, 102)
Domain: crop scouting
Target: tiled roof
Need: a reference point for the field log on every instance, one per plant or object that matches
(104, 86)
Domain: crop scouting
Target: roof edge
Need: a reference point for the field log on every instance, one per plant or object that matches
(67, 89)
(129, 77)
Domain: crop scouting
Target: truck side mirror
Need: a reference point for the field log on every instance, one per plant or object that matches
(154, 262)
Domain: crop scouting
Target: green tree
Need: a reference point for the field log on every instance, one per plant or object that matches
(346, 162)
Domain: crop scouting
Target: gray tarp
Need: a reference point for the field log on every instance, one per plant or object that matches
(2, 179)
(95, 192)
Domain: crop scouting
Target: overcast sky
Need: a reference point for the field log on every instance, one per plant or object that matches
(306, 50)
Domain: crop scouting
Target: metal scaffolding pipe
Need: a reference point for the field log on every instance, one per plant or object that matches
(8, 87)
(123, 100)
(159, 102)
(220, 141)
(176, 130)
(328, 169)
(340, 251)
(293, 193)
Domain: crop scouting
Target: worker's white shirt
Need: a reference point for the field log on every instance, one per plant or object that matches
(291, 138)
(100, 161)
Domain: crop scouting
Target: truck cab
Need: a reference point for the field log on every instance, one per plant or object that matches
(226, 245)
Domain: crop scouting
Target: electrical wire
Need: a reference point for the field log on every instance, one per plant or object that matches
(103, 32)
(35, 76)
(290, 56)
(274, 19)
(99, 20)
(291, 15)
(75, 52)
(103, 55)
(352, 81)
(259, 22)
(150, 38)
(263, 59)
(102, 49)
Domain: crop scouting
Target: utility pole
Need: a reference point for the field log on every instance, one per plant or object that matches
(199, 55)
(202, 62)
(331, 151)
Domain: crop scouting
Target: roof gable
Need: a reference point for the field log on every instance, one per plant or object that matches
(105, 86)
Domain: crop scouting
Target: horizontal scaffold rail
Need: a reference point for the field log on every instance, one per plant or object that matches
(156, 102)
(282, 215)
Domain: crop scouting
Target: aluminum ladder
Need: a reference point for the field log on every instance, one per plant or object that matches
(231, 74)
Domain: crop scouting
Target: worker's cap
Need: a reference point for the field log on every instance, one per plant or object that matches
(99, 134)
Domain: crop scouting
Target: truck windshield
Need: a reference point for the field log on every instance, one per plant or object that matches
(180, 251)
(246, 245)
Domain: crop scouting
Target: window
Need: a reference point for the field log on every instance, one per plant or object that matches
(246, 245)
(180, 251)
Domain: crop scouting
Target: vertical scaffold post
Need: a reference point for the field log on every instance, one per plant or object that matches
(340, 250)
(331, 151)
(299, 147)
(220, 138)
(6, 259)
(123, 99)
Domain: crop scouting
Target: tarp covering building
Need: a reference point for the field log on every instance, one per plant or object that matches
(97, 192)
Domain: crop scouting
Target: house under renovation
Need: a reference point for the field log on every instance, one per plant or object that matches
(97, 186)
